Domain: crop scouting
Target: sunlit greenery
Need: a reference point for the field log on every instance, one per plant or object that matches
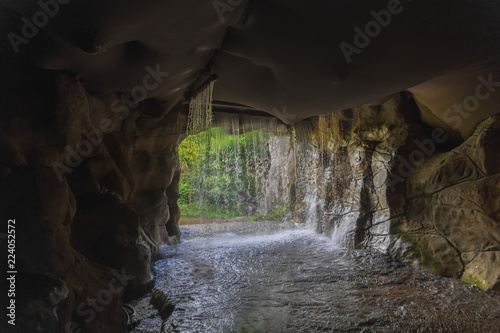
(277, 214)
(220, 172)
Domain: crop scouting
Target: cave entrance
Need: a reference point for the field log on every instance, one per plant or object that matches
(227, 171)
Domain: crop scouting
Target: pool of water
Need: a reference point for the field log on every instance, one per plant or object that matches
(269, 277)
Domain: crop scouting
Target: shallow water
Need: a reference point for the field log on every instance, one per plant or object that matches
(268, 277)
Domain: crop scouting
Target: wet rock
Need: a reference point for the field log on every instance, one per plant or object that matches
(385, 178)
(162, 303)
(482, 273)
(455, 195)
(91, 198)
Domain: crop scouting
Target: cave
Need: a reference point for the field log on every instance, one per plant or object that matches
(399, 98)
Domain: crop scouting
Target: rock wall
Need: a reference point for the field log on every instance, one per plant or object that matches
(373, 177)
(453, 208)
(92, 185)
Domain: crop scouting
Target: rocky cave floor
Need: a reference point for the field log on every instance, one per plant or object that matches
(275, 277)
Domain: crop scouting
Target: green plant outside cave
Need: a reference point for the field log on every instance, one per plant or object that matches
(472, 280)
(425, 258)
(218, 172)
(277, 214)
(198, 209)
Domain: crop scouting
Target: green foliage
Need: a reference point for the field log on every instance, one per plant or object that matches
(472, 280)
(219, 171)
(277, 214)
(188, 153)
(184, 190)
(421, 252)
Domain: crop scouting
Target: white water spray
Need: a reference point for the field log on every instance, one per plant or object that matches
(200, 111)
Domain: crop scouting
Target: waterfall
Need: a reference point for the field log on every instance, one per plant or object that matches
(279, 181)
(260, 167)
(236, 173)
(257, 156)
(308, 159)
(200, 111)
(333, 144)
(323, 167)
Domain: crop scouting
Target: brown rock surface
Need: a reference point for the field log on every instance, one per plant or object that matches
(437, 209)
(91, 175)
(100, 213)
(455, 195)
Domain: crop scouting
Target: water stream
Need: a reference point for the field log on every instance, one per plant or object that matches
(273, 277)
(300, 274)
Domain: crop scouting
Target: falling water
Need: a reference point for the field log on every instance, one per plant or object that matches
(272, 158)
(200, 111)
(297, 172)
(224, 163)
(332, 141)
(322, 161)
(248, 166)
(273, 277)
(257, 156)
(310, 201)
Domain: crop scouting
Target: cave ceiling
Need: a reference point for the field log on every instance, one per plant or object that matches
(289, 58)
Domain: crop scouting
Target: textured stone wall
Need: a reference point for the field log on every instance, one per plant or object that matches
(378, 175)
(93, 189)
(453, 208)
